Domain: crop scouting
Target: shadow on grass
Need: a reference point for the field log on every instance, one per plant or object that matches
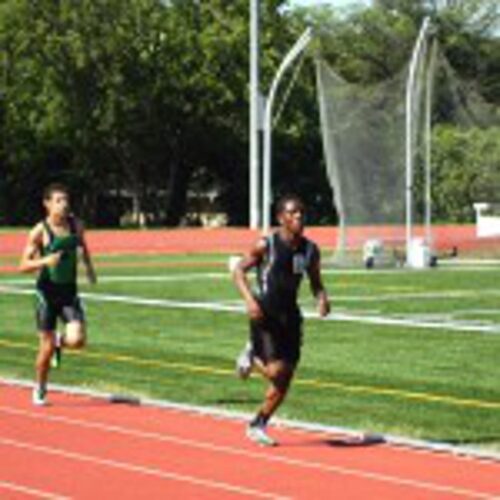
(472, 441)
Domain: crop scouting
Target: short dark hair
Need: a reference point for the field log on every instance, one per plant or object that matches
(54, 187)
(287, 198)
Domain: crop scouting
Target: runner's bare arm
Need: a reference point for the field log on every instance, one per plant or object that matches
(86, 257)
(249, 261)
(31, 259)
(317, 287)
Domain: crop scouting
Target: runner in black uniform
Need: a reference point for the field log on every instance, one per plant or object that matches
(52, 249)
(281, 260)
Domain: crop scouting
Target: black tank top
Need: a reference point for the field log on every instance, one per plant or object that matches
(280, 274)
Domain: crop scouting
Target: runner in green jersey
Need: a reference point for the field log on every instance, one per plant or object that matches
(52, 250)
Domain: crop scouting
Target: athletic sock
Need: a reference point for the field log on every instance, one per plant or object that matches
(260, 420)
(59, 339)
(41, 389)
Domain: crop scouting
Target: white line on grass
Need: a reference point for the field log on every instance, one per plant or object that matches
(138, 469)
(103, 278)
(336, 469)
(400, 297)
(174, 278)
(6, 485)
(452, 266)
(458, 326)
(383, 297)
(461, 263)
(479, 312)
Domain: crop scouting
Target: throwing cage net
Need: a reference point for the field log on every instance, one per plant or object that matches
(365, 130)
(363, 134)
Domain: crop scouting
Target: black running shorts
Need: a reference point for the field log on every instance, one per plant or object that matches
(277, 337)
(50, 309)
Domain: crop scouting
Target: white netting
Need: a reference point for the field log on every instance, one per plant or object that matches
(364, 135)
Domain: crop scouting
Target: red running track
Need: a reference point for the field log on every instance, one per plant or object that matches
(87, 448)
(236, 239)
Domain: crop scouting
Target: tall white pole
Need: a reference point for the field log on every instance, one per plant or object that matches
(295, 51)
(254, 163)
(429, 89)
(410, 88)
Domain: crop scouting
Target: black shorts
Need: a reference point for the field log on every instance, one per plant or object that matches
(50, 309)
(277, 338)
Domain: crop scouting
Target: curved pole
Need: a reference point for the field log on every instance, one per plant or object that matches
(428, 143)
(410, 87)
(295, 51)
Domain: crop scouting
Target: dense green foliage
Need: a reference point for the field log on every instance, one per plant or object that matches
(466, 171)
(151, 97)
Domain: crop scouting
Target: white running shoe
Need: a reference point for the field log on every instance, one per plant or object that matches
(244, 362)
(40, 397)
(259, 435)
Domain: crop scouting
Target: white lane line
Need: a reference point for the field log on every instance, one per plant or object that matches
(477, 312)
(401, 296)
(138, 469)
(340, 470)
(7, 485)
(334, 316)
(135, 279)
(458, 326)
(468, 263)
(226, 275)
(164, 278)
(444, 267)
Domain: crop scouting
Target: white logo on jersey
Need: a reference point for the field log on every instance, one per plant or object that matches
(299, 264)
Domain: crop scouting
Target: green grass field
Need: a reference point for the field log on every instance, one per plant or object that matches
(408, 353)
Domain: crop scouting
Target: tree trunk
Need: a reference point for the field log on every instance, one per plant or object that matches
(177, 187)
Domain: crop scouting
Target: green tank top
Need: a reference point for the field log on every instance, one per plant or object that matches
(65, 273)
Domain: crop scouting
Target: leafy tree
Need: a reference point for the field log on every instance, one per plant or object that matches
(150, 97)
(466, 169)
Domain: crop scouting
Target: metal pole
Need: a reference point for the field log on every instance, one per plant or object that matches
(428, 143)
(410, 86)
(254, 163)
(295, 51)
